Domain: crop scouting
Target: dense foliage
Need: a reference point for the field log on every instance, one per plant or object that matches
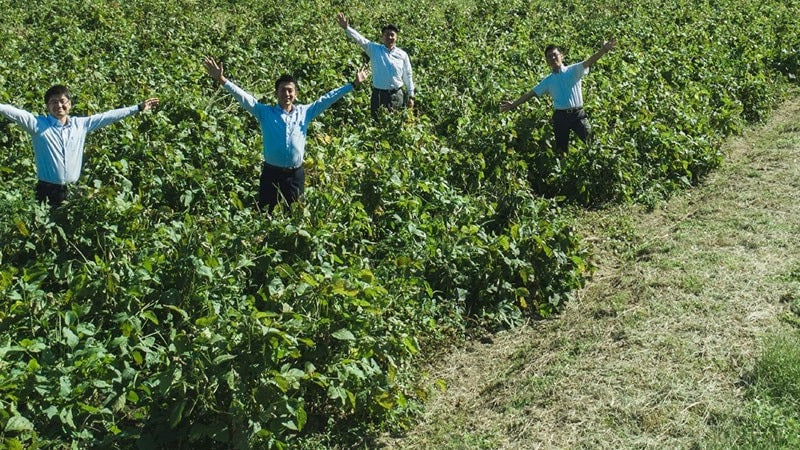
(157, 308)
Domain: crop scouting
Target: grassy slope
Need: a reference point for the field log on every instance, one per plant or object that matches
(654, 352)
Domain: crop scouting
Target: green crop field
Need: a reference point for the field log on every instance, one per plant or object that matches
(158, 309)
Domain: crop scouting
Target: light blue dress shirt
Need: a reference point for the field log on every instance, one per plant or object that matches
(57, 148)
(390, 68)
(284, 133)
(564, 86)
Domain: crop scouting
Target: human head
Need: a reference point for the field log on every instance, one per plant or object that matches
(553, 56)
(58, 100)
(389, 35)
(286, 91)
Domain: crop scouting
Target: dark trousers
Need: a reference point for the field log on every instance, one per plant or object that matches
(53, 194)
(389, 99)
(571, 119)
(279, 184)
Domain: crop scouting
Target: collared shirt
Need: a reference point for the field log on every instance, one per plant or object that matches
(284, 133)
(390, 68)
(564, 86)
(57, 148)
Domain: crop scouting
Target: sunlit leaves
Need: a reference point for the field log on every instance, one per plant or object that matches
(159, 307)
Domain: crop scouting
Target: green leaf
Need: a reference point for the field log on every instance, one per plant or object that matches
(18, 424)
(66, 417)
(133, 397)
(344, 335)
(385, 400)
(72, 339)
(119, 403)
(176, 414)
(33, 366)
(183, 313)
(151, 316)
(32, 346)
(13, 444)
(222, 358)
(301, 416)
(89, 408)
(23, 230)
(51, 412)
(410, 345)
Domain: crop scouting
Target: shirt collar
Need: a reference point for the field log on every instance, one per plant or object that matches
(56, 122)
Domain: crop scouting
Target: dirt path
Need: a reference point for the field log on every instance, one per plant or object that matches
(652, 352)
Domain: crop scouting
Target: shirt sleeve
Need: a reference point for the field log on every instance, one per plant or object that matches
(358, 38)
(579, 70)
(96, 121)
(408, 77)
(244, 98)
(541, 88)
(19, 116)
(326, 101)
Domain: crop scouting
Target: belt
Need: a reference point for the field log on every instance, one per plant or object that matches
(390, 91)
(47, 184)
(282, 169)
(570, 110)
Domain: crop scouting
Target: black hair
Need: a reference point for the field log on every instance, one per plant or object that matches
(285, 78)
(550, 48)
(389, 27)
(57, 91)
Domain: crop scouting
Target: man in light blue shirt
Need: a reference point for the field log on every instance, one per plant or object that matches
(283, 130)
(58, 139)
(391, 67)
(563, 84)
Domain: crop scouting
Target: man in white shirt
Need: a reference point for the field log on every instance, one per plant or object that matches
(563, 84)
(58, 139)
(391, 68)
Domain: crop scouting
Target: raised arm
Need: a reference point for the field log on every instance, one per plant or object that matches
(509, 105)
(605, 48)
(19, 116)
(353, 34)
(96, 121)
(216, 71)
(333, 96)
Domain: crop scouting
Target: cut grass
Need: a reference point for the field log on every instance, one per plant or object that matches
(771, 419)
(657, 350)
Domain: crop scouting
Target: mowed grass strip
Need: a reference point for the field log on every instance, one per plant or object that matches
(664, 346)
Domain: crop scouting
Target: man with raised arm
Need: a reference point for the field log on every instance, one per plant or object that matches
(58, 139)
(284, 128)
(391, 68)
(563, 84)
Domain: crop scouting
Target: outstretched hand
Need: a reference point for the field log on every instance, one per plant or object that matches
(507, 105)
(148, 104)
(605, 48)
(342, 20)
(215, 70)
(361, 75)
(608, 45)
